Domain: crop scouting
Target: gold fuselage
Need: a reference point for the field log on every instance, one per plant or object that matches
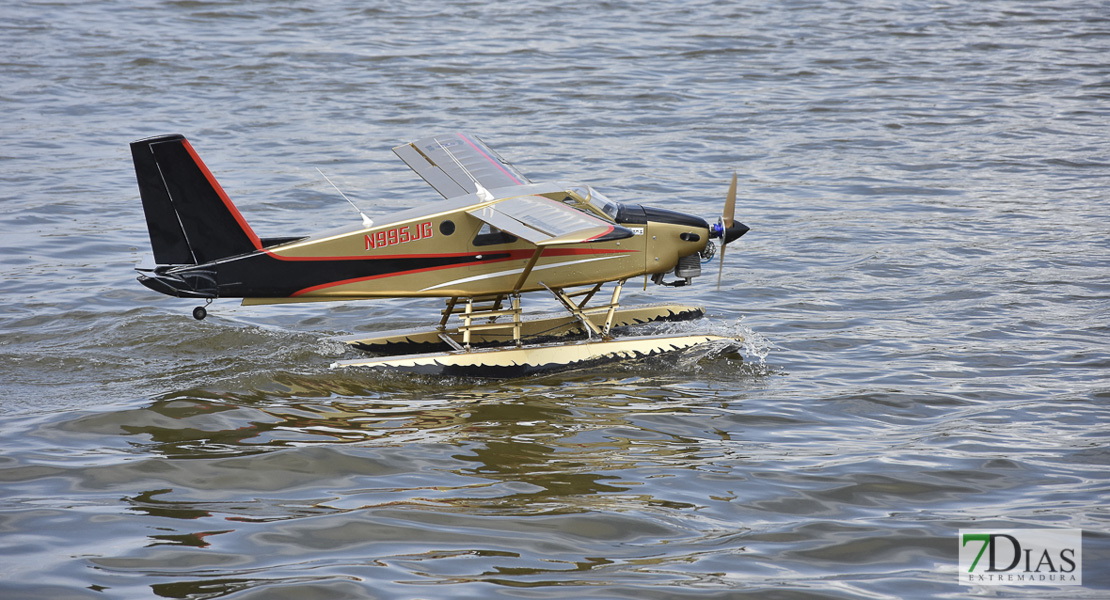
(512, 238)
(467, 260)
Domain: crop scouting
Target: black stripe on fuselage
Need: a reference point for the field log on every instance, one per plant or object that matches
(263, 275)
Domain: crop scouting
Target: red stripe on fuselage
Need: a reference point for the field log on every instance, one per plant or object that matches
(513, 255)
(376, 257)
(382, 276)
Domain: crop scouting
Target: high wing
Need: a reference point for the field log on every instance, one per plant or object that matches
(545, 222)
(456, 164)
(452, 163)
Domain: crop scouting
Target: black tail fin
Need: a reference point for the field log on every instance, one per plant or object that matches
(189, 216)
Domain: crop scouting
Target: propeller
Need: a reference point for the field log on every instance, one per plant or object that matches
(727, 228)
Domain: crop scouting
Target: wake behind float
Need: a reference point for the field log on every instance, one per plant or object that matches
(494, 237)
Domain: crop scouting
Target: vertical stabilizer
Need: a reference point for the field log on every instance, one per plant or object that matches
(188, 215)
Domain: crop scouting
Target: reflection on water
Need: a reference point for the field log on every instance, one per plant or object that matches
(581, 481)
(458, 466)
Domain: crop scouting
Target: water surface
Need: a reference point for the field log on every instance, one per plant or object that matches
(923, 301)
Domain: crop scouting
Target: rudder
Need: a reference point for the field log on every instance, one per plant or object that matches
(189, 216)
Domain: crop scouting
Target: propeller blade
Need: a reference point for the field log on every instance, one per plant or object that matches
(730, 204)
(727, 219)
(721, 269)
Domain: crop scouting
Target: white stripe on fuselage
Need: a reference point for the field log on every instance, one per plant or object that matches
(519, 271)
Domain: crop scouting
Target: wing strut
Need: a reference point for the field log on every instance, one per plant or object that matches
(528, 269)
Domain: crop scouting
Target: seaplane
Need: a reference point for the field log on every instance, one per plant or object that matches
(494, 237)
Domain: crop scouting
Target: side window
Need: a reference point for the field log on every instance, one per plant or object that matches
(490, 236)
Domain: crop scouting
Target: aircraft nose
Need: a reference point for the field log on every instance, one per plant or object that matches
(671, 217)
(732, 233)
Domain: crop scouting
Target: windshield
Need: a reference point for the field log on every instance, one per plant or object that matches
(588, 199)
(598, 201)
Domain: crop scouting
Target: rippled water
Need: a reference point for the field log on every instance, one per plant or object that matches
(924, 301)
